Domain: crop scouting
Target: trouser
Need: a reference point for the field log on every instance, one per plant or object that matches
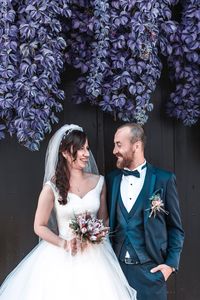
(149, 286)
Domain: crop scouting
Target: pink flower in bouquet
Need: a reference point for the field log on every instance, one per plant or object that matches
(93, 238)
(83, 230)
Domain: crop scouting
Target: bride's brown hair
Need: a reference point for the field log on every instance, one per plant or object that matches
(71, 142)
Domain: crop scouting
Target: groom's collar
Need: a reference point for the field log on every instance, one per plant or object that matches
(139, 168)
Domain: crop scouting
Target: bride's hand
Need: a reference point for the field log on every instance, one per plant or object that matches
(70, 245)
(74, 245)
(84, 245)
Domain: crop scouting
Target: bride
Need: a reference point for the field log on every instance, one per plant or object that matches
(59, 267)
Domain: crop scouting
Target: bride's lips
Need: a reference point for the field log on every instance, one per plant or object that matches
(84, 160)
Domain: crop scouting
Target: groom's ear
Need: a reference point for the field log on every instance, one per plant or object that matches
(137, 145)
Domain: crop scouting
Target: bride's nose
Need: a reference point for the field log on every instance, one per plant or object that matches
(86, 153)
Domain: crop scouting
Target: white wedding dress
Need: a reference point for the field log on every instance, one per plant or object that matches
(50, 273)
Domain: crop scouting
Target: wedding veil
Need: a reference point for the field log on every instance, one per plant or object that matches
(51, 161)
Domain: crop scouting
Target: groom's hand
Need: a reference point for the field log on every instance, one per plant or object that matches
(165, 269)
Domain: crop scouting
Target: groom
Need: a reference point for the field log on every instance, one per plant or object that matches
(144, 216)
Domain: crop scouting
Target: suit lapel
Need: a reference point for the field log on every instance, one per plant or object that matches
(149, 186)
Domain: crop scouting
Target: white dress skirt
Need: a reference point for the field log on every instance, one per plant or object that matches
(50, 273)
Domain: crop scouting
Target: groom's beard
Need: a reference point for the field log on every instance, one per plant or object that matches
(123, 161)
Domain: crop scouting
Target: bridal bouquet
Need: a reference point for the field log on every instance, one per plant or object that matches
(88, 229)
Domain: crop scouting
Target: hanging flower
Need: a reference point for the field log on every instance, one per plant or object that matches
(120, 41)
(116, 45)
(184, 62)
(31, 58)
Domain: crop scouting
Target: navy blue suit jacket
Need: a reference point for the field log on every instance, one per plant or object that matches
(164, 234)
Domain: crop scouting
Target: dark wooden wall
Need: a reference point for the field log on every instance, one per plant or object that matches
(170, 146)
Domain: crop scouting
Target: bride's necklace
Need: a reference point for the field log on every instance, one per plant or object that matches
(75, 188)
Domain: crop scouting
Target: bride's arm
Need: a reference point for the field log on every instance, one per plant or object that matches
(103, 212)
(44, 208)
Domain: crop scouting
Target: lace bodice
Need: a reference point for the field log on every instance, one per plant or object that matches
(75, 205)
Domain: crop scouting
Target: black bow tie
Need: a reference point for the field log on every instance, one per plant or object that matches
(135, 173)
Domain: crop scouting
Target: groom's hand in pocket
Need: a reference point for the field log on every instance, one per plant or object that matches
(165, 269)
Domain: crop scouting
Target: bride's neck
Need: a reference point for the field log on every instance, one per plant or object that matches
(76, 174)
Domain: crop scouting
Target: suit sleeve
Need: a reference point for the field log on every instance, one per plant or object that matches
(174, 225)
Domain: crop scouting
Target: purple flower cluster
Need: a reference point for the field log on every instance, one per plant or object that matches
(31, 59)
(121, 65)
(184, 62)
(115, 44)
(8, 64)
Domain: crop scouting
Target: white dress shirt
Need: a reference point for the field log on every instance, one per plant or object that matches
(131, 187)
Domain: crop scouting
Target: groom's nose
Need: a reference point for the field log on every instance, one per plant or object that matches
(115, 150)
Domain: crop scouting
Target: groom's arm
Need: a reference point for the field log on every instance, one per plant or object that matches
(174, 230)
(174, 225)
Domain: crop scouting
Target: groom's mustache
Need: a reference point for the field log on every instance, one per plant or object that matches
(118, 155)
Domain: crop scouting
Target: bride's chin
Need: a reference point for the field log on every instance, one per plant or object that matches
(84, 164)
(80, 167)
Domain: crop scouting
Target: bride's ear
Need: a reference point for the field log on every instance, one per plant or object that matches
(66, 155)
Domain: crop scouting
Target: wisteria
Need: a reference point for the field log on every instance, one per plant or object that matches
(126, 65)
(8, 64)
(117, 47)
(185, 65)
(32, 56)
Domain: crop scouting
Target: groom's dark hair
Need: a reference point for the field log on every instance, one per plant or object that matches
(137, 132)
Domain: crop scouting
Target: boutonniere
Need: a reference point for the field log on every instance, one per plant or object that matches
(157, 205)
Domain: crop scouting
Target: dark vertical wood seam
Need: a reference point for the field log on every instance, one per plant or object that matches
(100, 142)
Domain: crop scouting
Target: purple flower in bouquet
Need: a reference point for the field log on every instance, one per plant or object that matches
(88, 228)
